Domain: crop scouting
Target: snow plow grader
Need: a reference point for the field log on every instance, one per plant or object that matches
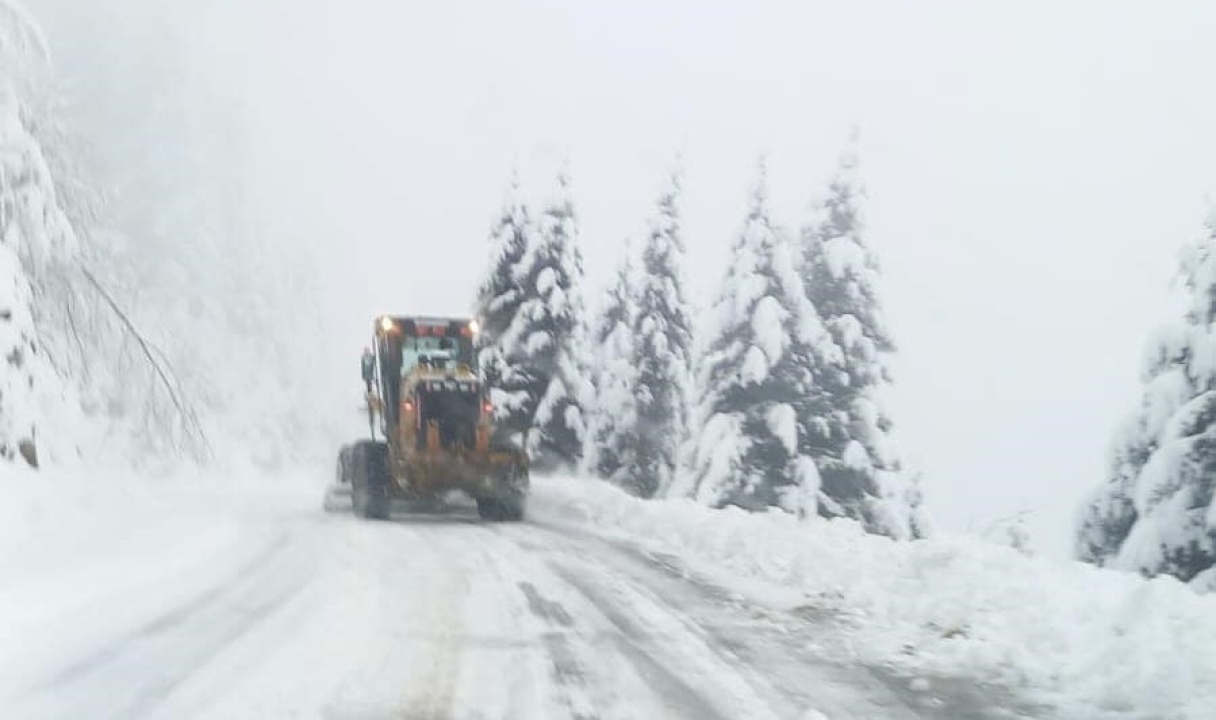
(431, 427)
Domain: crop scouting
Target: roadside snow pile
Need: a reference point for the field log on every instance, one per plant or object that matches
(1090, 641)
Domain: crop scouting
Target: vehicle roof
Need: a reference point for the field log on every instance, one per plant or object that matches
(432, 319)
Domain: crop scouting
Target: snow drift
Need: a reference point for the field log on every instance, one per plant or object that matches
(1092, 642)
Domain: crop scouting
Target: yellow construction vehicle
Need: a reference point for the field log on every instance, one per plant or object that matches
(431, 423)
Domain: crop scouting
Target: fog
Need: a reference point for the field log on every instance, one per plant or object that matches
(1032, 168)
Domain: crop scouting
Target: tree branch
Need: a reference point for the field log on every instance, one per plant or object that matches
(150, 352)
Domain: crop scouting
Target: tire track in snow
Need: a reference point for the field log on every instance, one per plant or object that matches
(519, 644)
(776, 646)
(431, 695)
(130, 677)
(247, 618)
(661, 659)
(580, 682)
(632, 642)
(568, 671)
(762, 652)
(166, 621)
(888, 693)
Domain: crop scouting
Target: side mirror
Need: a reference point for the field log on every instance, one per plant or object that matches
(369, 368)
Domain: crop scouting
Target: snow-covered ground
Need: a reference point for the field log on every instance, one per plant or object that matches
(237, 597)
(1090, 642)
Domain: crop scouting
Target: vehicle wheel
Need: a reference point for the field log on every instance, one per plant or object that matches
(513, 509)
(513, 504)
(489, 509)
(369, 480)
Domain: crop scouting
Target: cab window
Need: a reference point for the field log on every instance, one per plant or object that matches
(436, 352)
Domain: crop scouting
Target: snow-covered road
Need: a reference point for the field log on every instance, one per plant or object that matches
(277, 610)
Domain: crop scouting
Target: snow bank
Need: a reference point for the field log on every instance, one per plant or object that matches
(1091, 642)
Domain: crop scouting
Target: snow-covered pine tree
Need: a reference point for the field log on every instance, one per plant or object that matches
(543, 347)
(33, 231)
(499, 298)
(19, 352)
(612, 417)
(757, 378)
(1156, 514)
(662, 332)
(860, 472)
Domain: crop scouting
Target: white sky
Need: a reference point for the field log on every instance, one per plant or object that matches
(1033, 168)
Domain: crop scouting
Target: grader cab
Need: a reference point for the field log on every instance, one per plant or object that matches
(431, 426)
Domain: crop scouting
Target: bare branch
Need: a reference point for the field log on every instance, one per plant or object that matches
(150, 352)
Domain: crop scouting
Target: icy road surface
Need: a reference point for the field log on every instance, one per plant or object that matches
(269, 608)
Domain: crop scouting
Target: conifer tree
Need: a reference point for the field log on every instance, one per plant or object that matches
(757, 378)
(662, 332)
(499, 298)
(1156, 514)
(612, 418)
(544, 345)
(858, 466)
(33, 231)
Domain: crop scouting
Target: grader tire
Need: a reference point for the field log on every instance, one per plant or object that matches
(370, 480)
(501, 509)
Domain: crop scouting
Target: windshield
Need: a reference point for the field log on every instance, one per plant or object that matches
(439, 353)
